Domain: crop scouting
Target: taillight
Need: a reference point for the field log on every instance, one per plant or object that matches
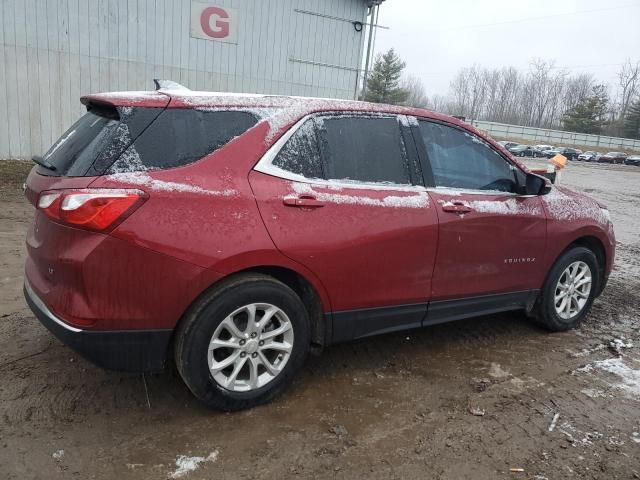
(99, 210)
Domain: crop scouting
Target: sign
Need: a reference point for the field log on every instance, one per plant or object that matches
(213, 22)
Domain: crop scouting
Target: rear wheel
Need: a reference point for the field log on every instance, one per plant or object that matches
(569, 290)
(242, 343)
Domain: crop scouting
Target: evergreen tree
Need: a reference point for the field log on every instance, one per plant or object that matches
(589, 115)
(383, 84)
(632, 121)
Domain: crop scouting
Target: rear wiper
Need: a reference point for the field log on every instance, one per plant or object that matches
(43, 163)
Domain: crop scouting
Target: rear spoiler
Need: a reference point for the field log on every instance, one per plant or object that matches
(143, 98)
(127, 99)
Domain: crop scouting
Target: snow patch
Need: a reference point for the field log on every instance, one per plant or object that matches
(259, 113)
(563, 205)
(619, 343)
(578, 437)
(496, 371)
(421, 200)
(135, 96)
(187, 464)
(629, 377)
(58, 454)
(500, 207)
(506, 207)
(143, 179)
(594, 393)
(129, 160)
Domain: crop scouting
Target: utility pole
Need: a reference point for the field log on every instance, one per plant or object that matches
(372, 24)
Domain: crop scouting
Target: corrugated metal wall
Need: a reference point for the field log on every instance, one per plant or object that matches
(53, 51)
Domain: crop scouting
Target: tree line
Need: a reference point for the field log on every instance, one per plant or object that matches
(541, 96)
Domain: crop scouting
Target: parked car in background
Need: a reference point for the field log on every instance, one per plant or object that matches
(234, 234)
(544, 147)
(589, 156)
(570, 153)
(526, 151)
(507, 144)
(632, 160)
(613, 157)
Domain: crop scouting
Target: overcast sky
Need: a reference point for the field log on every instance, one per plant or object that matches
(438, 37)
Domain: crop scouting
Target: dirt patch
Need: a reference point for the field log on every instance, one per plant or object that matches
(13, 173)
(483, 398)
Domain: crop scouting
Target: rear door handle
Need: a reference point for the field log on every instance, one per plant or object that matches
(456, 207)
(303, 201)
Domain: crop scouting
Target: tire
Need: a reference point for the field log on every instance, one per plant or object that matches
(206, 317)
(544, 311)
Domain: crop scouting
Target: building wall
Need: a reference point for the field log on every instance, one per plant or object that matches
(543, 136)
(54, 51)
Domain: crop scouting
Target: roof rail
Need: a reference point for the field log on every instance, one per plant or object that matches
(168, 85)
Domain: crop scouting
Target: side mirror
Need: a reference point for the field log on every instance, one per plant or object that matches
(537, 185)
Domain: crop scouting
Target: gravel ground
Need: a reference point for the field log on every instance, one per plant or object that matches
(492, 397)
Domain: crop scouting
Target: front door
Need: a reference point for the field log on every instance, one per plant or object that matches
(491, 239)
(341, 198)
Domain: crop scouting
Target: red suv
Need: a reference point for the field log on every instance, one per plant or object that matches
(233, 233)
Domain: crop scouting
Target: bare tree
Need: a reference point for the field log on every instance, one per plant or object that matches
(440, 103)
(539, 96)
(629, 82)
(417, 95)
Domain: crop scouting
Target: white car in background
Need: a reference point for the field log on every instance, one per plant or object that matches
(544, 147)
(589, 156)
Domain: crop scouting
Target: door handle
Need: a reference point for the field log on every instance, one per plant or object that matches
(303, 201)
(456, 207)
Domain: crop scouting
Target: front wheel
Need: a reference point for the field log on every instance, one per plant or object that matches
(241, 344)
(569, 290)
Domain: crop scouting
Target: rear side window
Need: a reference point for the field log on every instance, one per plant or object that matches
(182, 136)
(364, 149)
(301, 153)
(460, 160)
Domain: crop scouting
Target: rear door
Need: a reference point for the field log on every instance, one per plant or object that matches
(340, 194)
(491, 239)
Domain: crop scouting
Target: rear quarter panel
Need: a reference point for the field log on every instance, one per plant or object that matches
(205, 213)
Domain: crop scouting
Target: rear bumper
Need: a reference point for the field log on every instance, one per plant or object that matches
(124, 350)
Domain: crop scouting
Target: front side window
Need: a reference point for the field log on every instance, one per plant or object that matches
(364, 149)
(461, 160)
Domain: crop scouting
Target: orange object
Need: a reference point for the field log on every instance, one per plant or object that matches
(560, 161)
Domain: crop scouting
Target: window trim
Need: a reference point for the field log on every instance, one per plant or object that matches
(425, 162)
(265, 164)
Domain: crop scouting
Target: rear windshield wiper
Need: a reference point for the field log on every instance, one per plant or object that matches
(43, 163)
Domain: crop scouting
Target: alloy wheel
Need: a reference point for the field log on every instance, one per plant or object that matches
(250, 347)
(572, 290)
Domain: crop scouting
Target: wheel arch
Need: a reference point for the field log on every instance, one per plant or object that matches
(597, 247)
(312, 295)
(308, 293)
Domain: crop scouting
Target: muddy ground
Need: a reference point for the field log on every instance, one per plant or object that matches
(396, 406)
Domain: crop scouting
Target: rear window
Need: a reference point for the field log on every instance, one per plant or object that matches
(108, 139)
(182, 136)
(95, 141)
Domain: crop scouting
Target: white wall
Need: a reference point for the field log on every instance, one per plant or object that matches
(54, 51)
(542, 136)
